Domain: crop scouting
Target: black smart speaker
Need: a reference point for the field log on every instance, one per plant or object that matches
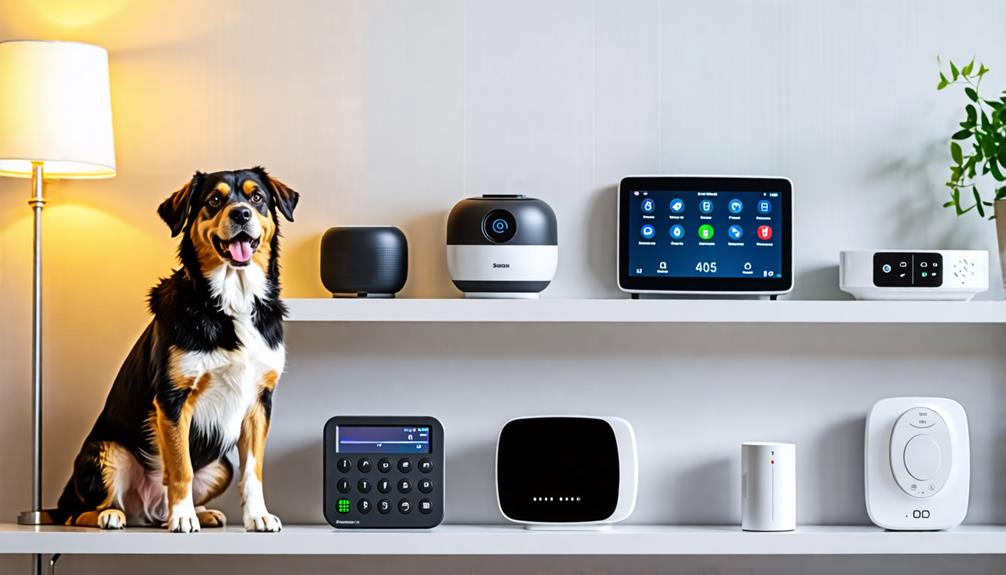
(364, 261)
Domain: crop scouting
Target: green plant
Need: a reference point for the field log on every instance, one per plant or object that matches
(979, 147)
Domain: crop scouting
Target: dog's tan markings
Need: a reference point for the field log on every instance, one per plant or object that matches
(112, 459)
(224, 188)
(173, 436)
(249, 186)
(201, 234)
(211, 517)
(263, 254)
(251, 442)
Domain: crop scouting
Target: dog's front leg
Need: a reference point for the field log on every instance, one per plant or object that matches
(174, 420)
(251, 450)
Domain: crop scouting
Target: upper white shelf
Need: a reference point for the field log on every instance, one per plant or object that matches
(642, 311)
(507, 540)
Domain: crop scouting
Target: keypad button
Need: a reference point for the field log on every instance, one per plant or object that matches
(404, 506)
(384, 506)
(364, 465)
(342, 505)
(425, 506)
(384, 465)
(404, 486)
(384, 485)
(405, 465)
(363, 506)
(343, 485)
(426, 485)
(344, 465)
(363, 485)
(425, 465)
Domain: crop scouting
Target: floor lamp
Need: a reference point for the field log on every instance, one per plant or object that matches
(55, 123)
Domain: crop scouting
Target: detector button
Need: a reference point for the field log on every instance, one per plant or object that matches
(922, 457)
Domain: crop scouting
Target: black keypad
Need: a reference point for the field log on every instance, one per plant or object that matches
(425, 485)
(388, 487)
(907, 269)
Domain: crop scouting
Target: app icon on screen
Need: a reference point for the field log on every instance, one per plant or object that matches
(648, 231)
(677, 232)
(677, 205)
(648, 205)
(764, 233)
(764, 207)
(706, 232)
(735, 206)
(735, 233)
(706, 206)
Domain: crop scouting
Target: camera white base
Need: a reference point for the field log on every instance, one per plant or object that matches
(569, 527)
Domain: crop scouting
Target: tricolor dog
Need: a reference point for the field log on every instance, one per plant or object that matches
(200, 379)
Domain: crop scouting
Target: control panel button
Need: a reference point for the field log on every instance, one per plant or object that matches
(425, 506)
(425, 465)
(344, 465)
(343, 485)
(404, 486)
(922, 418)
(364, 465)
(384, 465)
(404, 507)
(922, 457)
(425, 485)
(384, 507)
(343, 505)
(363, 506)
(384, 485)
(363, 485)
(405, 465)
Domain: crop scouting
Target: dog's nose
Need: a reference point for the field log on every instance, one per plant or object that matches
(241, 215)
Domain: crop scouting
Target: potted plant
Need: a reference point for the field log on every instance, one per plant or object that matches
(978, 151)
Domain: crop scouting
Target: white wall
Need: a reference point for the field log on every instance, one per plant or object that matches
(382, 111)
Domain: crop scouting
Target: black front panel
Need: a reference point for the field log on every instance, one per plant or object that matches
(364, 260)
(502, 219)
(383, 472)
(907, 269)
(557, 469)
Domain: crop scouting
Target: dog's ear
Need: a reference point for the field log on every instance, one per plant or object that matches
(175, 210)
(286, 197)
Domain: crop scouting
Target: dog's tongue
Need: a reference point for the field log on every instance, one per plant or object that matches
(240, 250)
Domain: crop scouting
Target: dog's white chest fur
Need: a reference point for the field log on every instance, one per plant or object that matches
(235, 376)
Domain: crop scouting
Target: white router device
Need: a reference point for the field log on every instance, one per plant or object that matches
(914, 275)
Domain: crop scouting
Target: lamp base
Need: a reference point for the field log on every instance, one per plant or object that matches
(34, 518)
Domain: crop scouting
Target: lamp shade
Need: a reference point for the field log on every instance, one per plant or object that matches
(55, 108)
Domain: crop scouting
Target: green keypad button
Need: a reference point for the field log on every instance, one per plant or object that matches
(342, 506)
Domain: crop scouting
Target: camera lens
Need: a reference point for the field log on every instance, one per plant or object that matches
(499, 226)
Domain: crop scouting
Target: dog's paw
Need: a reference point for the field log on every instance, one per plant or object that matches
(211, 518)
(266, 522)
(111, 519)
(183, 523)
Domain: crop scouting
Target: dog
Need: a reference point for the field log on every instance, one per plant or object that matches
(200, 379)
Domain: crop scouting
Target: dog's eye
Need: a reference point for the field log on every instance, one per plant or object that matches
(215, 200)
(256, 198)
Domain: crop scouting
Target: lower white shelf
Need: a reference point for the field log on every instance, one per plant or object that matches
(507, 540)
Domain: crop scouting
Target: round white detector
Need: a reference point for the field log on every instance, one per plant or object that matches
(923, 457)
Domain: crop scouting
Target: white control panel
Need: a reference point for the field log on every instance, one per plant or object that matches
(918, 463)
(914, 274)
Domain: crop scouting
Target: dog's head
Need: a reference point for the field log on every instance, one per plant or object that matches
(230, 218)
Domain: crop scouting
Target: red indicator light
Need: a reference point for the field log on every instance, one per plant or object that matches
(772, 462)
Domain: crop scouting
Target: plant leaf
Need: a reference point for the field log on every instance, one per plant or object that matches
(966, 70)
(972, 114)
(982, 70)
(955, 152)
(1001, 193)
(971, 93)
(962, 134)
(978, 201)
(954, 71)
